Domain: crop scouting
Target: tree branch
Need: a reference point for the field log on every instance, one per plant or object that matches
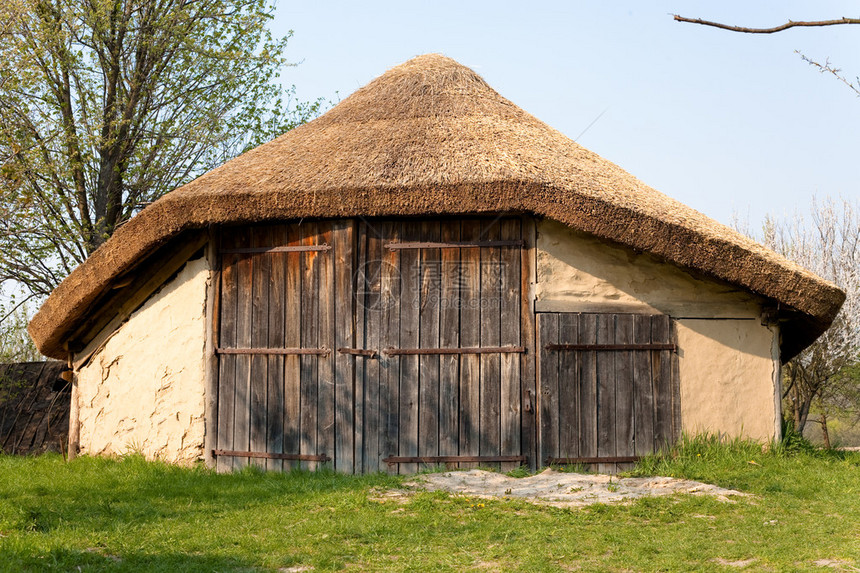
(786, 26)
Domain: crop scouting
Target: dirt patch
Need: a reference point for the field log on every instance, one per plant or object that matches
(563, 489)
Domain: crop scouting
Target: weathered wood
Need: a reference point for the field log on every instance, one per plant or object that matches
(344, 335)
(624, 437)
(510, 295)
(279, 249)
(227, 364)
(260, 275)
(274, 351)
(244, 326)
(453, 351)
(410, 306)
(568, 388)
(548, 386)
(310, 337)
(470, 337)
(368, 335)
(212, 326)
(480, 244)
(675, 384)
(608, 460)
(490, 431)
(605, 391)
(428, 364)
(327, 325)
(293, 324)
(449, 337)
(661, 371)
(611, 347)
(643, 391)
(275, 338)
(528, 364)
(588, 389)
(454, 459)
(389, 365)
(271, 455)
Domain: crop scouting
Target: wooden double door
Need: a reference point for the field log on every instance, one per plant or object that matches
(375, 345)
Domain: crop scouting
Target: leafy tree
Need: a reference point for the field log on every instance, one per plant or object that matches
(105, 105)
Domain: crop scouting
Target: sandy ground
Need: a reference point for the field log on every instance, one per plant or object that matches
(563, 489)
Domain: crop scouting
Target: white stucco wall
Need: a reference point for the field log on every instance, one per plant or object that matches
(143, 390)
(726, 355)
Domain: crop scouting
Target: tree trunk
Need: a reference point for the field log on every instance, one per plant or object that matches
(824, 433)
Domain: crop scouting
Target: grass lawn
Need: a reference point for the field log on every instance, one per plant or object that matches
(128, 514)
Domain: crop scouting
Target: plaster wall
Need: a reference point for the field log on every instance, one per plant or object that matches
(143, 390)
(728, 360)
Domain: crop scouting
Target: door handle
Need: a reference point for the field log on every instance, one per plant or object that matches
(367, 353)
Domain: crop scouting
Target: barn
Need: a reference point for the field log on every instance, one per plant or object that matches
(426, 274)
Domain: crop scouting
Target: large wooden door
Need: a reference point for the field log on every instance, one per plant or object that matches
(375, 345)
(608, 387)
(286, 304)
(441, 303)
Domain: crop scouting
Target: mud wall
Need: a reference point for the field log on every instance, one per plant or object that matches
(143, 391)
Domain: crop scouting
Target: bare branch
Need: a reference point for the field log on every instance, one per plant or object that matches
(780, 28)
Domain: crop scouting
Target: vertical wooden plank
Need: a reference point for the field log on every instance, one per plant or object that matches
(661, 370)
(547, 324)
(428, 337)
(490, 429)
(449, 337)
(528, 384)
(369, 304)
(390, 306)
(244, 315)
(624, 424)
(359, 304)
(470, 336)
(606, 391)
(326, 392)
(675, 384)
(588, 402)
(261, 269)
(410, 296)
(568, 387)
(213, 321)
(293, 327)
(344, 327)
(277, 286)
(509, 325)
(643, 394)
(227, 362)
(310, 338)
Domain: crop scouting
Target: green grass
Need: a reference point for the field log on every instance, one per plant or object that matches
(128, 514)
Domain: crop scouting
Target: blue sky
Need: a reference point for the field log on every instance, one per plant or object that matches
(725, 122)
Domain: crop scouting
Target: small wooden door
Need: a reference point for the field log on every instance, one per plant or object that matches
(608, 387)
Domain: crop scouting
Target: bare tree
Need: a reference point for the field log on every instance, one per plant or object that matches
(826, 242)
(105, 105)
(825, 67)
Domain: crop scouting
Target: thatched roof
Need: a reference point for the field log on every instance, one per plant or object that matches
(431, 137)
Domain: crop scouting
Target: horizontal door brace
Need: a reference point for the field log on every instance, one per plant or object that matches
(283, 249)
(391, 460)
(595, 460)
(475, 350)
(359, 352)
(276, 351)
(651, 346)
(272, 456)
(452, 245)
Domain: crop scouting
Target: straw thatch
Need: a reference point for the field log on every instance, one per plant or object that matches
(431, 137)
